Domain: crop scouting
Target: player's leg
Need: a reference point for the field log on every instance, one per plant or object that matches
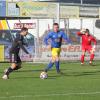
(18, 63)
(91, 55)
(57, 60)
(9, 70)
(51, 63)
(12, 67)
(18, 66)
(83, 56)
(57, 64)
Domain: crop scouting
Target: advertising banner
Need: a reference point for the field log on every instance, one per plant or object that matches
(12, 9)
(2, 8)
(1, 53)
(68, 52)
(37, 9)
(69, 12)
(89, 12)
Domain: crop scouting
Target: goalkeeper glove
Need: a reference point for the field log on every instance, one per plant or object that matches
(83, 31)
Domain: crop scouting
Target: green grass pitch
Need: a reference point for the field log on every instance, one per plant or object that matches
(76, 83)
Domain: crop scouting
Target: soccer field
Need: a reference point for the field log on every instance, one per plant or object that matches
(76, 83)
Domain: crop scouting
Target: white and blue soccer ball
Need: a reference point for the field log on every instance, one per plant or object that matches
(43, 75)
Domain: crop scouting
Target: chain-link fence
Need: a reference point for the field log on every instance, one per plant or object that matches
(39, 17)
(70, 27)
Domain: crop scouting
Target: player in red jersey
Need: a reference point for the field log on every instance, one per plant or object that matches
(87, 40)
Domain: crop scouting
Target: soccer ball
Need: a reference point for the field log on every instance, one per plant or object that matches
(43, 75)
(83, 31)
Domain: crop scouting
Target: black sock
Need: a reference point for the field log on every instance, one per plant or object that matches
(9, 71)
(17, 67)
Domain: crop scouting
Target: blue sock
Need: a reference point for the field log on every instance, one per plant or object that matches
(50, 65)
(57, 66)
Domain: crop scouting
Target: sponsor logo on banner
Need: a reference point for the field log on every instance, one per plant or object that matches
(68, 52)
(28, 25)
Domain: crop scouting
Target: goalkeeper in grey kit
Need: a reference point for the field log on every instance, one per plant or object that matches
(15, 60)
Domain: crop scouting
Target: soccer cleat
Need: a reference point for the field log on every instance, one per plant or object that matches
(82, 63)
(45, 70)
(90, 63)
(5, 77)
(59, 72)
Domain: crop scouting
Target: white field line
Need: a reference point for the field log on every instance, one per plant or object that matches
(47, 95)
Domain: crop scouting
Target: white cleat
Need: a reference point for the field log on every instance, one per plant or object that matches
(82, 63)
(5, 77)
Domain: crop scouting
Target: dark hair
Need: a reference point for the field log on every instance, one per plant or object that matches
(56, 24)
(24, 29)
(87, 30)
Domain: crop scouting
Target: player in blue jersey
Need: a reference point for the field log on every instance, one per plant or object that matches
(56, 37)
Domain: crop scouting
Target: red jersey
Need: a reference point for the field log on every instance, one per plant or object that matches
(87, 39)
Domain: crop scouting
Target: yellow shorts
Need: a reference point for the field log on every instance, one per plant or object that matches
(55, 51)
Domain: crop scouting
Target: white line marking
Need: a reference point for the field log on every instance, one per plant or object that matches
(46, 95)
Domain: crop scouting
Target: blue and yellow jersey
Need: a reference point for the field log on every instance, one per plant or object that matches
(56, 39)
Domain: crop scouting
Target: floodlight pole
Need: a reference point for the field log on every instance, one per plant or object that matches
(58, 13)
(81, 19)
(93, 26)
(37, 41)
(81, 2)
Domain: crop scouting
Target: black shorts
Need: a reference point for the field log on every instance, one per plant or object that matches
(14, 58)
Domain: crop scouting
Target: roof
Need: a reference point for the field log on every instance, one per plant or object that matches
(75, 1)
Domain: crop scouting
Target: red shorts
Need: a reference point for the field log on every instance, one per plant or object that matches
(87, 48)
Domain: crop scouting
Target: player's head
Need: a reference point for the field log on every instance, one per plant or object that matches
(24, 31)
(87, 32)
(55, 27)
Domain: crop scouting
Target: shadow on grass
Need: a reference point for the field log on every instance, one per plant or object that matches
(37, 70)
(32, 77)
(20, 71)
(74, 74)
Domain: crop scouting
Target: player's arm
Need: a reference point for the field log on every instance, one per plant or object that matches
(94, 41)
(64, 36)
(48, 46)
(22, 47)
(24, 43)
(20, 42)
(46, 39)
(79, 33)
